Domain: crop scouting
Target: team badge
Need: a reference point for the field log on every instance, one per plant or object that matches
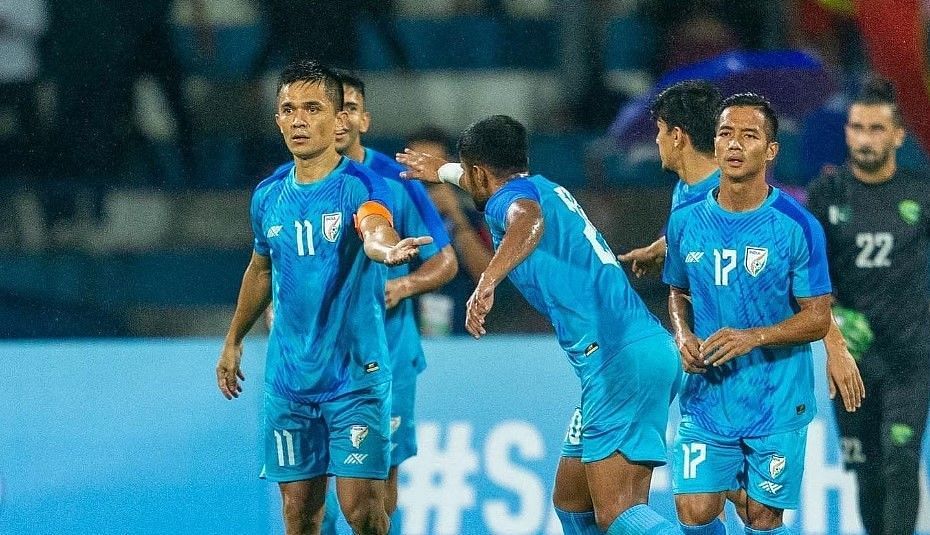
(395, 423)
(358, 433)
(839, 214)
(910, 211)
(756, 257)
(332, 225)
(776, 466)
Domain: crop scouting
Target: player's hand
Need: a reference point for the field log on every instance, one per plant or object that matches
(405, 250)
(843, 375)
(727, 344)
(479, 304)
(689, 347)
(395, 291)
(644, 261)
(420, 165)
(228, 372)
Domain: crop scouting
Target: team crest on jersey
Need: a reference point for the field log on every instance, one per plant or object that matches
(756, 257)
(332, 224)
(776, 466)
(910, 211)
(357, 434)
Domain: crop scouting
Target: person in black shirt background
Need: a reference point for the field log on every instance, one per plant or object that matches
(877, 222)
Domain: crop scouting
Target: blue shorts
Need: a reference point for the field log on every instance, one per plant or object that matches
(624, 406)
(770, 468)
(403, 424)
(346, 437)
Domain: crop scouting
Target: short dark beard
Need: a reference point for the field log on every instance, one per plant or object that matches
(870, 166)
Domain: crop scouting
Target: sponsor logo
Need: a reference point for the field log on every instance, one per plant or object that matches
(591, 349)
(771, 488)
(372, 367)
(776, 465)
(355, 458)
(358, 433)
(273, 231)
(756, 258)
(332, 224)
(694, 257)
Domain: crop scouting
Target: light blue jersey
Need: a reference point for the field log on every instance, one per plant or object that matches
(414, 215)
(685, 193)
(573, 277)
(747, 270)
(328, 335)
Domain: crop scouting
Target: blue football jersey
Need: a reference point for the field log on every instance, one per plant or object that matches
(744, 270)
(414, 215)
(328, 335)
(573, 277)
(685, 193)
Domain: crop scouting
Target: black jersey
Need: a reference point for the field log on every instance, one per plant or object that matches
(877, 246)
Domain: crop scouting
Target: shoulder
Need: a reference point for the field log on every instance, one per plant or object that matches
(383, 164)
(514, 190)
(272, 181)
(829, 178)
(796, 216)
(364, 175)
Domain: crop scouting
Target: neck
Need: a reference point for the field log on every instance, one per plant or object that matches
(742, 196)
(356, 152)
(695, 167)
(883, 174)
(308, 170)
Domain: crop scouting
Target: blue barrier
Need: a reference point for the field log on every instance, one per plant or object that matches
(129, 437)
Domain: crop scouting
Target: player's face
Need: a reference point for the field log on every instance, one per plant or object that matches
(357, 120)
(476, 181)
(741, 146)
(665, 139)
(307, 119)
(872, 135)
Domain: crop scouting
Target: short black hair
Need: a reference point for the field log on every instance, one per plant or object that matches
(429, 134)
(753, 100)
(352, 80)
(498, 141)
(313, 72)
(692, 106)
(878, 91)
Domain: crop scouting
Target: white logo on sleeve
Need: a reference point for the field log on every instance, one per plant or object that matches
(274, 231)
(694, 257)
(776, 466)
(358, 433)
(332, 224)
(756, 257)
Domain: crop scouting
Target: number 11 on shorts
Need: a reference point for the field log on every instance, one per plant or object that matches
(694, 454)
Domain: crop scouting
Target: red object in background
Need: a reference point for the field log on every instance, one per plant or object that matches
(894, 33)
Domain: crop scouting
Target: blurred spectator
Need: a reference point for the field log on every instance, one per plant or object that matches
(326, 31)
(22, 24)
(831, 32)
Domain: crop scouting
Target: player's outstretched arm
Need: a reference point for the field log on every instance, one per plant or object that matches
(420, 166)
(525, 227)
(842, 371)
(254, 296)
(646, 260)
(811, 323)
(383, 245)
(432, 274)
(679, 309)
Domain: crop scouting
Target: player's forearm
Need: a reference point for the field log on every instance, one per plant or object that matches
(435, 272)
(254, 297)
(473, 252)
(833, 341)
(811, 323)
(679, 310)
(379, 241)
(525, 229)
(659, 247)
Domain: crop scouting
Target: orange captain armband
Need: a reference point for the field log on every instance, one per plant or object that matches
(371, 208)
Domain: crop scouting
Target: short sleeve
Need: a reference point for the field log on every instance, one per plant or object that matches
(256, 214)
(496, 209)
(810, 273)
(369, 187)
(674, 273)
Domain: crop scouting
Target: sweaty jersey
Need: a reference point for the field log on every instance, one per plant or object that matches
(572, 277)
(744, 270)
(685, 193)
(328, 335)
(878, 240)
(414, 215)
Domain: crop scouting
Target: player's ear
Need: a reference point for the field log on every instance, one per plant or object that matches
(771, 151)
(277, 121)
(365, 123)
(899, 134)
(678, 136)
